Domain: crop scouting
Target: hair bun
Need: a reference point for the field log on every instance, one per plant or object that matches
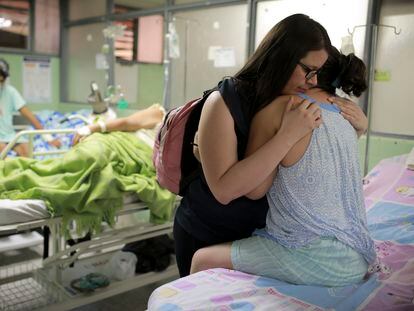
(353, 75)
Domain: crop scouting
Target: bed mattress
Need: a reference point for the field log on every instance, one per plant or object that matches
(389, 285)
(19, 211)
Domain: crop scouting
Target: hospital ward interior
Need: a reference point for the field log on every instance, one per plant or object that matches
(86, 87)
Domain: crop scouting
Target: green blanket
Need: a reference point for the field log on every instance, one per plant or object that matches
(87, 183)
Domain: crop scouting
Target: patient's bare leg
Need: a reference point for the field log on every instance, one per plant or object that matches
(216, 256)
(147, 118)
(22, 150)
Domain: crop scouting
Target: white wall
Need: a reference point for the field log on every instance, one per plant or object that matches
(337, 16)
(393, 108)
(199, 31)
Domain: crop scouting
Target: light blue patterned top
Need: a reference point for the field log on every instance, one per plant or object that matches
(321, 195)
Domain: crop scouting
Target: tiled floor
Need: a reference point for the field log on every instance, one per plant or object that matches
(133, 300)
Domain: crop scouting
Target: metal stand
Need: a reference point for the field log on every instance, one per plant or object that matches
(371, 75)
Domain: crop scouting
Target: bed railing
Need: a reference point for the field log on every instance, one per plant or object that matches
(31, 134)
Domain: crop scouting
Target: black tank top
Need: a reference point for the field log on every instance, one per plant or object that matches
(200, 214)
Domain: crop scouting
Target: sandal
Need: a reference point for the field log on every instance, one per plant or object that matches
(90, 282)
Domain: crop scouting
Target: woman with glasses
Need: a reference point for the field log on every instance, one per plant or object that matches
(219, 204)
(316, 231)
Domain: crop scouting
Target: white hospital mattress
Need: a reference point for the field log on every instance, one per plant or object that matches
(19, 211)
(15, 211)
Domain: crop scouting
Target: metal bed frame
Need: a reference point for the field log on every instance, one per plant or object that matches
(29, 286)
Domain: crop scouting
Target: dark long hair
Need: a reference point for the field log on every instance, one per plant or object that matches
(267, 71)
(346, 72)
(4, 68)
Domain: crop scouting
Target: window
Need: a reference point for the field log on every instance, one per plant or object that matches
(142, 38)
(14, 24)
(47, 26)
(125, 45)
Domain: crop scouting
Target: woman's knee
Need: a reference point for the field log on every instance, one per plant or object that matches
(217, 256)
(200, 260)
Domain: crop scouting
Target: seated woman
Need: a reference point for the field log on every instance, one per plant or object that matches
(316, 231)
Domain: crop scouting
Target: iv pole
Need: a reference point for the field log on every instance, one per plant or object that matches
(167, 59)
(187, 22)
(371, 75)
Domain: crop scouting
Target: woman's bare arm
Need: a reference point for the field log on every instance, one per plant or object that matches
(229, 178)
(264, 126)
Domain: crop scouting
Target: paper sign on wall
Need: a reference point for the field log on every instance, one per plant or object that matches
(224, 57)
(212, 52)
(382, 75)
(101, 62)
(37, 80)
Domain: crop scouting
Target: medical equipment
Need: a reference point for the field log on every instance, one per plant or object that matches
(371, 73)
(100, 105)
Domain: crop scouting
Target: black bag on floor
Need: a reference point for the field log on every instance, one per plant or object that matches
(153, 254)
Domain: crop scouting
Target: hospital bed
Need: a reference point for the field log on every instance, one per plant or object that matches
(62, 125)
(46, 284)
(389, 195)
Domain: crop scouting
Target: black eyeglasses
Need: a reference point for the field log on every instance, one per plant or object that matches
(309, 73)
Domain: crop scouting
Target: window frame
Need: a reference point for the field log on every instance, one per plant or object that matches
(134, 20)
(30, 34)
(30, 50)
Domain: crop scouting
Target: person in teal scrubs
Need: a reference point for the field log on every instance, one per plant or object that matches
(11, 101)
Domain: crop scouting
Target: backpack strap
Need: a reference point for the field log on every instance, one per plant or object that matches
(190, 167)
(227, 90)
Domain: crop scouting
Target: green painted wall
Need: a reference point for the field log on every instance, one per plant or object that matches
(383, 147)
(16, 79)
(150, 85)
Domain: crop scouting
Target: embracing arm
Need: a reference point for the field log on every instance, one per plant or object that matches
(353, 113)
(227, 177)
(264, 126)
(275, 119)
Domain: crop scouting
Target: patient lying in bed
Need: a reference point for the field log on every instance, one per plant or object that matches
(144, 119)
(87, 184)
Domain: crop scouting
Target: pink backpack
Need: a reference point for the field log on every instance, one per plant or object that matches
(173, 139)
(173, 158)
